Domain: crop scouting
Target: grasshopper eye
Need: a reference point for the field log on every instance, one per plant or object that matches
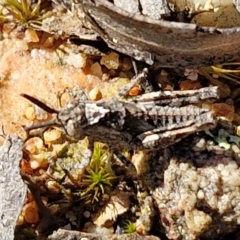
(74, 129)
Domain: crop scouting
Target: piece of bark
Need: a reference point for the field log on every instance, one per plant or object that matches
(12, 188)
(67, 235)
(166, 44)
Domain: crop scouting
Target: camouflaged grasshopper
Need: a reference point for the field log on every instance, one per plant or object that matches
(150, 121)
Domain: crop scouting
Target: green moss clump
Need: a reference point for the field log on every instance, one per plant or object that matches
(99, 176)
(129, 227)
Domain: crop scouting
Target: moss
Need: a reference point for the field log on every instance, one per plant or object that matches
(99, 176)
(129, 227)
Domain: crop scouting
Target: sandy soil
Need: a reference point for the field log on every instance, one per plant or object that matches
(40, 73)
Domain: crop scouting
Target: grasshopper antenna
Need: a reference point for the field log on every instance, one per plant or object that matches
(44, 107)
(40, 125)
(39, 103)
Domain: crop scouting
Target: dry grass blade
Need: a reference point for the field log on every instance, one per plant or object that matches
(229, 74)
(21, 11)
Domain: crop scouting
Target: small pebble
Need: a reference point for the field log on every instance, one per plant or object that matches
(52, 135)
(200, 194)
(96, 69)
(38, 161)
(34, 164)
(235, 148)
(21, 45)
(53, 186)
(49, 42)
(76, 60)
(225, 172)
(30, 113)
(238, 130)
(87, 214)
(105, 77)
(95, 94)
(201, 144)
(111, 61)
(30, 213)
(31, 36)
(191, 74)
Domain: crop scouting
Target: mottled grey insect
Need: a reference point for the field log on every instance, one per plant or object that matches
(150, 121)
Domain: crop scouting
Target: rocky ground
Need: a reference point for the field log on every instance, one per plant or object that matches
(189, 190)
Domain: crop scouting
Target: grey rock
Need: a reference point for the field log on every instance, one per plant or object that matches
(12, 188)
(68, 235)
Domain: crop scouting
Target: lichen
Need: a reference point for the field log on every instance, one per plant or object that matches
(224, 138)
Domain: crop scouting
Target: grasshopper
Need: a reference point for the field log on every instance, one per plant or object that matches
(151, 121)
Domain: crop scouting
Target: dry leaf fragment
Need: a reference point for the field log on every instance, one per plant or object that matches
(118, 204)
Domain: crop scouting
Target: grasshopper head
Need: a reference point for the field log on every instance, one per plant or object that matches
(70, 118)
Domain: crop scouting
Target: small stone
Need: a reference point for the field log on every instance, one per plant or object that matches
(232, 164)
(34, 164)
(225, 172)
(52, 135)
(64, 99)
(49, 42)
(238, 130)
(235, 148)
(38, 161)
(7, 28)
(30, 213)
(95, 94)
(76, 60)
(96, 70)
(201, 144)
(87, 214)
(111, 61)
(30, 113)
(200, 195)
(21, 45)
(34, 145)
(105, 77)
(53, 186)
(31, 36)
(40, 113)
(191, 74)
